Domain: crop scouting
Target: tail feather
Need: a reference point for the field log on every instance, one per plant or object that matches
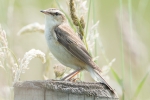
(101, 79)
(97, 77)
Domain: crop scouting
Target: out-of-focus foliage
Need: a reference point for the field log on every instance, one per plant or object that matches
(123, 34)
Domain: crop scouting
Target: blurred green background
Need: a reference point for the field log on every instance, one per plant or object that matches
(126, 39)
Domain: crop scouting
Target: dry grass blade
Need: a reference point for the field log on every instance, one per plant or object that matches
(72, 12)
(79, 23)
(106, 68)
(23, 63)
(6, 55)
(1, 65)
(34, 27)
(3, 39)
(59, 70)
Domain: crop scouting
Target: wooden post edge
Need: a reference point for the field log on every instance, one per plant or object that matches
(62, 90)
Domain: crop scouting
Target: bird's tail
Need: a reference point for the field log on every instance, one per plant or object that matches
(97, 77)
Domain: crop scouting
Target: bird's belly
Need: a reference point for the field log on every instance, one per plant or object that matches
(63, 55)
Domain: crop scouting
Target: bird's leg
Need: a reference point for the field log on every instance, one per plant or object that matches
(71, 75)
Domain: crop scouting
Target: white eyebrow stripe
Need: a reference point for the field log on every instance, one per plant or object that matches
(54, 10)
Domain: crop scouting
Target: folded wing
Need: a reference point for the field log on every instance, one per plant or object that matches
(73, 44)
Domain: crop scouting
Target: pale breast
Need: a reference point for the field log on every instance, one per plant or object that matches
(61, 53)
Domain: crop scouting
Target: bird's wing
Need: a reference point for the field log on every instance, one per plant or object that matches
(73, 44)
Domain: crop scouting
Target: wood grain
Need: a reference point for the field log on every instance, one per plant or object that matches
(62, 90)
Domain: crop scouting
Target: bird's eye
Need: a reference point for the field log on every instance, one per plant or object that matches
(57, 14)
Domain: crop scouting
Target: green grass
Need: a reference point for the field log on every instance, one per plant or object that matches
(122, 51)
(139, 87)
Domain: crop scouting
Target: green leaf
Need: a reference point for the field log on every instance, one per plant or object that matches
(140, 86)
(116, 76)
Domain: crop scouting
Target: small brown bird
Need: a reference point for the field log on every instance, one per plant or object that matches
(67, 47)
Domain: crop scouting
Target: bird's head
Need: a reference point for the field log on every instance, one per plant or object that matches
(54, 16)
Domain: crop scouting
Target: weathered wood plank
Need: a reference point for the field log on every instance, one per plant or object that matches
(62, 90)
(75, 97)
(54, 95)
(89, 97)
(28, 94)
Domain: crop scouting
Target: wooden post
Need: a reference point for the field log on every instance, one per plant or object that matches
(62, 90)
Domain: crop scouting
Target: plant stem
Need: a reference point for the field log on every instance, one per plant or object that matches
(88, 18)
(130, 21)
(122, 49)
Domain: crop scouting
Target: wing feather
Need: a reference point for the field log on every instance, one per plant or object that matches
(73, 44)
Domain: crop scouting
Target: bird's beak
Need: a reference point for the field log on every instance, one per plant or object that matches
(44, 11)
